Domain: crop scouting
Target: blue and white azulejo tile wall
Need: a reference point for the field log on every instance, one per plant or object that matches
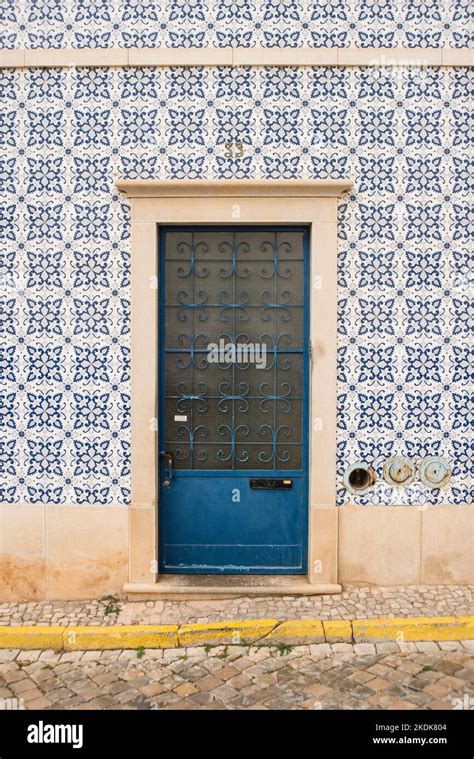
(270, 23)
(405, 309)
(405, 231)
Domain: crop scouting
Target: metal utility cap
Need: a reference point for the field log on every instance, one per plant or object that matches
(435, 472)
(399, 471)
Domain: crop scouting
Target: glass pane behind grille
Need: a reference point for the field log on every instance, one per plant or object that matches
(239, 291)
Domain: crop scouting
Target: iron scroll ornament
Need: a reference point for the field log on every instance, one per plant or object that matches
(237, 416)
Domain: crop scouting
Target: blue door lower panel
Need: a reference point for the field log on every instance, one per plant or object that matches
(219, 524)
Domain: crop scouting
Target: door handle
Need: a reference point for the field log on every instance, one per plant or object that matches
(167, 458)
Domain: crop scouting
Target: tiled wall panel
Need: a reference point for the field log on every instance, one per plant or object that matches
(405, 272)
(233, 23)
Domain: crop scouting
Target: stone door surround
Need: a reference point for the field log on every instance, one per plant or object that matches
(222, 201)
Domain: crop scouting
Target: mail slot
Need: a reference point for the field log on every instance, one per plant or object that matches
(270, 484)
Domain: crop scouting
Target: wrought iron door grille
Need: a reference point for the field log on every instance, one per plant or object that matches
(232, 287)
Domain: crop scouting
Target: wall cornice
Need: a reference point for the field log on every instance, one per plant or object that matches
(225, 188)
(238, 56)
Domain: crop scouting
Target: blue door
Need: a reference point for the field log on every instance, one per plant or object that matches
(233, 399)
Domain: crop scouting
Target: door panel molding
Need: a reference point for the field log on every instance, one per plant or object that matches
(311, 203)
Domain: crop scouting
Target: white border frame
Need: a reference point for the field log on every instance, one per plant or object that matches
(237, 56)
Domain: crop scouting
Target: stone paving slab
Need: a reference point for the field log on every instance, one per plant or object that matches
(321, 676)
(352, 603)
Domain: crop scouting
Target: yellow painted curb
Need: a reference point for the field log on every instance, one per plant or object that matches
(241, 632)
(337, 630)
(121, 636)
(298, 632)
(414, 628)
(31, 637)
(222, 633)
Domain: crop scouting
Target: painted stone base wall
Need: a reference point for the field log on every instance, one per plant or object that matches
(81, 552)
(406, 545)
(62, 552)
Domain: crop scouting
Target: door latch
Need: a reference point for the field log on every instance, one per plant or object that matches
(167, 458)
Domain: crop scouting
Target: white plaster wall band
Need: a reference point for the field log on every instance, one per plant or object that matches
(257, 56)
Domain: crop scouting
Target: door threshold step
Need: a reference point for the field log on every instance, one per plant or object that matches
(193, 587)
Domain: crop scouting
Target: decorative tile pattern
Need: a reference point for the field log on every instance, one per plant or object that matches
(234, 23)
(405, 312)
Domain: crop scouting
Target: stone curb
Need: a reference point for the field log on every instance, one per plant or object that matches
(225, 633)
(238, 632)
(413, 628)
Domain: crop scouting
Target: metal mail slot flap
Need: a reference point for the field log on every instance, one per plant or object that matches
(264, 483)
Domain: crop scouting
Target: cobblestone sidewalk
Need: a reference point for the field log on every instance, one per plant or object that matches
(410, 601)
(340, 676)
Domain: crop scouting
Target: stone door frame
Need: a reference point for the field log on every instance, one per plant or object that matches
(290, 201)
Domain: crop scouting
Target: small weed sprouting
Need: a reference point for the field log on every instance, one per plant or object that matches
(284, 648)
(140, 652)
(111, 604)
(280, 648)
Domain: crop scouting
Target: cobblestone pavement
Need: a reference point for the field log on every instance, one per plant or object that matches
(419, 600)
(340, 676)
